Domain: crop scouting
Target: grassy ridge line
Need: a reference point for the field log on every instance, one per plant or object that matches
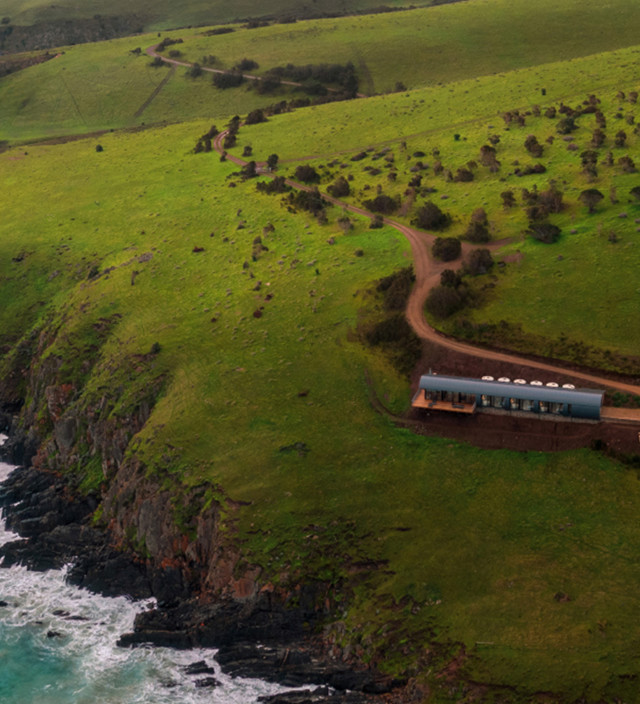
(165, 14)
(430, 46)
(109, 84)
(327, 130)
(475, 541)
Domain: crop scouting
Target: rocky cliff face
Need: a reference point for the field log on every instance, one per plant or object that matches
(89, 496)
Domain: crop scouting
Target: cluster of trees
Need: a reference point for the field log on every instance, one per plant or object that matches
(204, 143)
(167, 41)
(246, 65)
(382, 204)
(454, 291)
(274, 186)
(430, 217)
(231, 79)
(218, 30)
(391, 332)
(232, 133)
(306, 174)
(314, 75)
(311, 201)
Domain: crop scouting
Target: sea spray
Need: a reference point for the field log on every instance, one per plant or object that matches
(57, 646)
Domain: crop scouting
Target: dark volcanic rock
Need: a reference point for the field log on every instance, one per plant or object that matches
(39, 505)
(321, 695)
(207, 682)
(198, 668)
(53, 523)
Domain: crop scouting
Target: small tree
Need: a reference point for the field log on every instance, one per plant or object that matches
(444, 301)
(463, 175)
(508, 199)
(627, 164)
(488, 158)
(376, 222)
(339, 188)
(551, 199)
(544, 232)
(591, 197)
(479, 262)
(430, 217)
(249, 170)
(477, 233)
(381, 204)
(255, 117)
(246, 65)
(446, 248)
(227, 80)
(272, 161)
(534, 147)
(635, 193)
(306, 174)
(621, 139)
(566, 125)
(597, 140)
(450, 278)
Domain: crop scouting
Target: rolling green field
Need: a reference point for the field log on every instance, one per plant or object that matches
(493, 536)
(430, 46)
(165, 14)
(104, 86)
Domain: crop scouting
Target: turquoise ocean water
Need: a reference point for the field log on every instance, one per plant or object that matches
(81, 664)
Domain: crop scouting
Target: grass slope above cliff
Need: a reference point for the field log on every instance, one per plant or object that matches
(140, 268)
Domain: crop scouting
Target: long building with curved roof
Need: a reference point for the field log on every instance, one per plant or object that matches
(464, 395)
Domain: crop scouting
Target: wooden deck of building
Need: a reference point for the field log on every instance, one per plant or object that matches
(419, 401)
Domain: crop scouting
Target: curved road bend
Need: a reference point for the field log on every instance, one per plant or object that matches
(427, 273)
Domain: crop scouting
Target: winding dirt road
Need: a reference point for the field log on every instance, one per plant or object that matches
(427, 273)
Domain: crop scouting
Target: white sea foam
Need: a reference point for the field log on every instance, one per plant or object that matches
(82, 665)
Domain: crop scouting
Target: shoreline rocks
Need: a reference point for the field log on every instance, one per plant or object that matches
(257, 637)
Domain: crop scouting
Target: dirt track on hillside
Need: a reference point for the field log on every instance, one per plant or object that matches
(427, 272)
(151, 51)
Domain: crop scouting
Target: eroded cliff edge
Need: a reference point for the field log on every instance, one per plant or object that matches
(83, 495)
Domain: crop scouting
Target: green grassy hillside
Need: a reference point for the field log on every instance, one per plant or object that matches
(140, 266)
(104, 86)
(587, 260)
(435, 45)
(165, 14)
(145, 273)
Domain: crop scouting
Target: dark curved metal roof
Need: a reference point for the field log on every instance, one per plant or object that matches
(583, 397)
